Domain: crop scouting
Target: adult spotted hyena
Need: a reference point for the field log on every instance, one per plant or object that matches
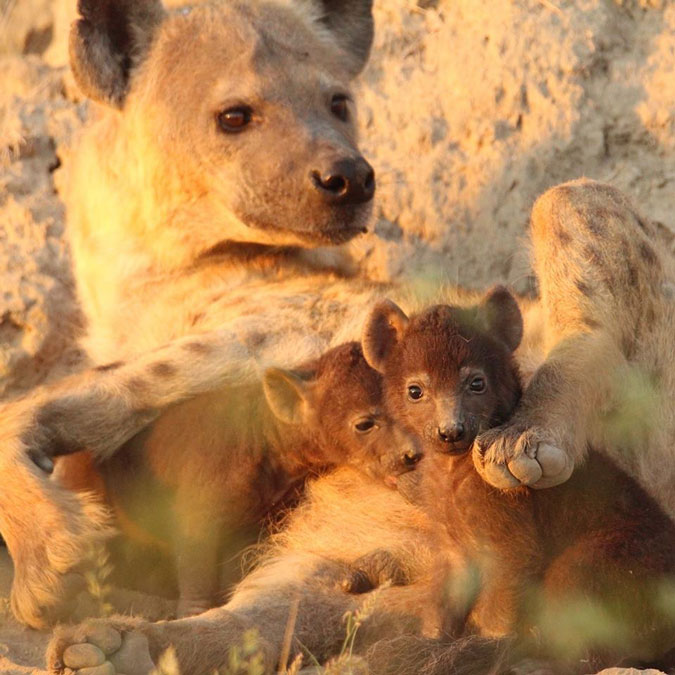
(223, 172)
(222, 168)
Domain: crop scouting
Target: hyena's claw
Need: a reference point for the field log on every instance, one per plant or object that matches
(526, 470)
(511, 456)
(41, 460)
(99, 647)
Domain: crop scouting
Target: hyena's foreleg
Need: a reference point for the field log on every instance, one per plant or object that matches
(133, 646)
(101, 409)
(604, 299)
(295, 604)
(48, 529)
(294, 597)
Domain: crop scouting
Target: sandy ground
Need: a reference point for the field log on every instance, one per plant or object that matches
(469, 110)
(21, 649)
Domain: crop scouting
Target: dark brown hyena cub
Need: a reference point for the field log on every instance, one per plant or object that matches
(200, 507)
(588, 566)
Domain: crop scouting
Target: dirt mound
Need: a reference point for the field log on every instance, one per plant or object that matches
(471, 109)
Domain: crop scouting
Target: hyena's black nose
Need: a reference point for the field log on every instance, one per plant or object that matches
(346, 181)
(451, 433)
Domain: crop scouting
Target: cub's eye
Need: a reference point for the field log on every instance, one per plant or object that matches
(365, 425)
(415, 392)
(234, 119)
(339, 107)
(477, 385)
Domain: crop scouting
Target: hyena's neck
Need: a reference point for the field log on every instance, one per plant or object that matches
(260, 294)
(273, 261)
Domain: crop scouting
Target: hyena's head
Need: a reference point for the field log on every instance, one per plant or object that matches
(240, 111)
(449, 372)
(338, 403)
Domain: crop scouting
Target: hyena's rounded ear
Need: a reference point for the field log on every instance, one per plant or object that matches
(350, 22)
(107, 41)
(502, 316)
(384, 326)
(287, 395)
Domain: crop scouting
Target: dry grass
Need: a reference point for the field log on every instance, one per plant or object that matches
(97, 578)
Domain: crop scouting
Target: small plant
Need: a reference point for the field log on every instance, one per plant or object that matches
(247, 658)
(167, 663)
(96, 578)
(347, 663)
(295, 666)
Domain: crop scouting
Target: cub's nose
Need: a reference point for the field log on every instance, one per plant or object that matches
(451, 433)
(346, 181)
(411, 457)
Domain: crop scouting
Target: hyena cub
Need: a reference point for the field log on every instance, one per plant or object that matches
(203, 506)
(585, 565)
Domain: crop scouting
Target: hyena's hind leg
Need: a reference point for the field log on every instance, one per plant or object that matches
(608, 337)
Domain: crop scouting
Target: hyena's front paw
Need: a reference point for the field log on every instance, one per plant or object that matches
(515, 454)
(100, 647)
(52, 555)
(49, 531)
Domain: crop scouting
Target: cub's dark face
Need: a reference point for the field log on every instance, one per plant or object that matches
(338, 405)
(447, 381)
(449, 372)
(350, 416)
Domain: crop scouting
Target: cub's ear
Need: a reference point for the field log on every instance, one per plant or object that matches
(287, 395)
(383, 329)
(109, 39)
(350, 22)
(502, 316)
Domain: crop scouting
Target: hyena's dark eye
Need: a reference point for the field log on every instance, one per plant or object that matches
(477, 385)
(365, 425)
(339, 106)
(234, 119)
(415, 392)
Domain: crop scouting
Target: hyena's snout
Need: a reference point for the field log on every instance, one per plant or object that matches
(344, 181)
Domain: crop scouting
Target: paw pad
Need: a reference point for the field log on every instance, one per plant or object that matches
(510, 456)
(83, 656)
